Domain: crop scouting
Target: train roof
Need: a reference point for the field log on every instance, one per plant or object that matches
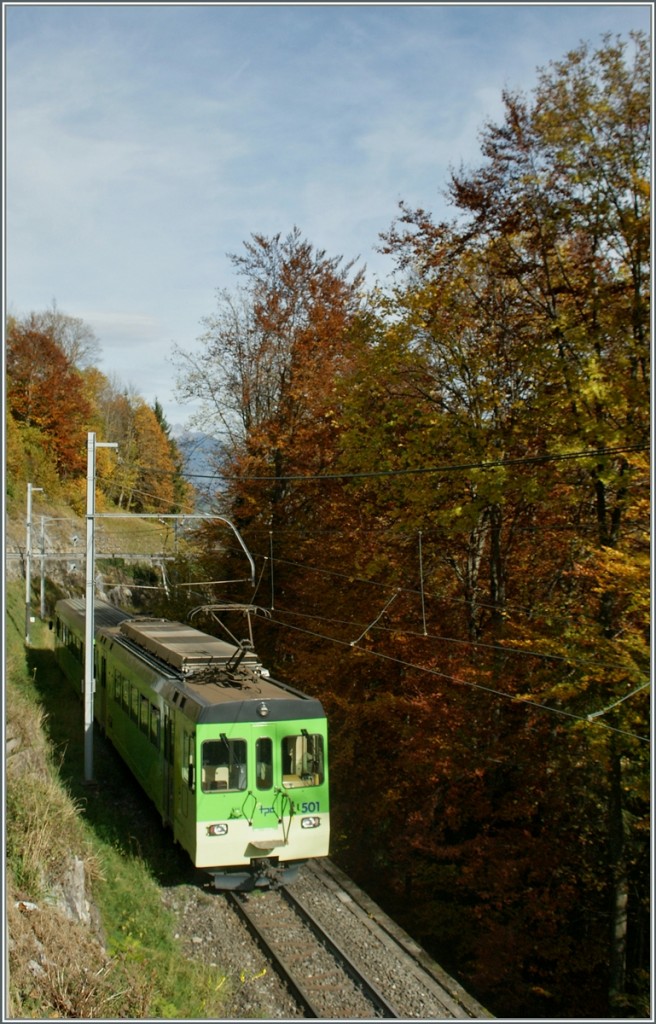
(249, 700)
(184, 647)
(217, 681)
(104, 614)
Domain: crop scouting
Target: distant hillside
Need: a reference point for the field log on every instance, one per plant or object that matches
(199, 453)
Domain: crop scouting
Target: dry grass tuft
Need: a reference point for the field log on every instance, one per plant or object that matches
(58, 970)
(42, 819)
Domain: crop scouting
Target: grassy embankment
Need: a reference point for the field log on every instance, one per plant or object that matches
(128, 965)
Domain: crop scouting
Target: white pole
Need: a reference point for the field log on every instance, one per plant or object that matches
(89, 624)
(28, 561)
(42, 609)
(89, 609)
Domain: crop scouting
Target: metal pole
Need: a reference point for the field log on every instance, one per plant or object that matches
(43, 569)
(89, 610)
(89, 630)
(28, 561)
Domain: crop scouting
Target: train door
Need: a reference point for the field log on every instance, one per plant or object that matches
(167, 774)
(274, 807)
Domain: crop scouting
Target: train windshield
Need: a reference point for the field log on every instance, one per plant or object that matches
(302, 760)
(223, 765)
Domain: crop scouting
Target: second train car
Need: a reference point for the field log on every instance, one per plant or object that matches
(235, 762)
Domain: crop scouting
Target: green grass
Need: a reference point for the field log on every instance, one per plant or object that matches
(52, 814)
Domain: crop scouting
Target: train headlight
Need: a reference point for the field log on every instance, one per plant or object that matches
(217, 830)
(312, 822)
(263, 710)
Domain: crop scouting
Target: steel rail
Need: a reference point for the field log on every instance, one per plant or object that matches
(284, 970)
(297, 989)
(354, 973)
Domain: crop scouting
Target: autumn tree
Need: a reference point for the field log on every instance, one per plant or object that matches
(75, 337)
(565, 196)
(271, 354)
(265, 348)
(145, 474)
(515, 356)
(153, 490)
(45, 392)
(183, 490)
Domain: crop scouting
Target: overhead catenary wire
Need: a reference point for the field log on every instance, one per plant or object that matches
(592, 719)
(483, 645)
(609, 707)
(593, 453)
(418, 470)
(498, 648)
(394, 596)
(505, 649)
(519, 460)
(421, 585)
(353, 578)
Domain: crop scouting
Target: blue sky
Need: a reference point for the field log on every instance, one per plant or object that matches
(145, 142)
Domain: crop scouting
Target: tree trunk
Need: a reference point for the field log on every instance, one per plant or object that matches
(468, 572)
(497, 570)
(619, 888)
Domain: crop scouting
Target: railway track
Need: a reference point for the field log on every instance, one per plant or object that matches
(428, 990)
(316, 969)
(340, 956)
(289, 973)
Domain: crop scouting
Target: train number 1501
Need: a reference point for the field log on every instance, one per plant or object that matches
(308, 807)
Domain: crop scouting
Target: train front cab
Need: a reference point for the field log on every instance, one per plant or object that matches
(261, 798)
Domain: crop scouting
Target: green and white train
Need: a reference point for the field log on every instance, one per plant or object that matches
(235, 762)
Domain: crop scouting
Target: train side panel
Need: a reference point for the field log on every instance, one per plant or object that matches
(133, 719)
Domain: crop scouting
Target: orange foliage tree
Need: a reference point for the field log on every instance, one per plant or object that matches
(45, 392)
(267, 374)
(516, 358)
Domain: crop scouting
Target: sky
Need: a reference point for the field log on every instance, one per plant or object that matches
(144, 143)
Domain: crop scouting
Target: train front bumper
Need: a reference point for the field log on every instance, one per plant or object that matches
(235, 843)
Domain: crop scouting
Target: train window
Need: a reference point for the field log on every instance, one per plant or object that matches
(154, 725)
(117, 688)
(189, 751)
(169, 739)
(126, 695)
(302, 760)
(223, 765)
(134, 704)
(264, 763)
(143, 715)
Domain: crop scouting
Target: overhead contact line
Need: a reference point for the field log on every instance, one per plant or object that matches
(455, 467)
